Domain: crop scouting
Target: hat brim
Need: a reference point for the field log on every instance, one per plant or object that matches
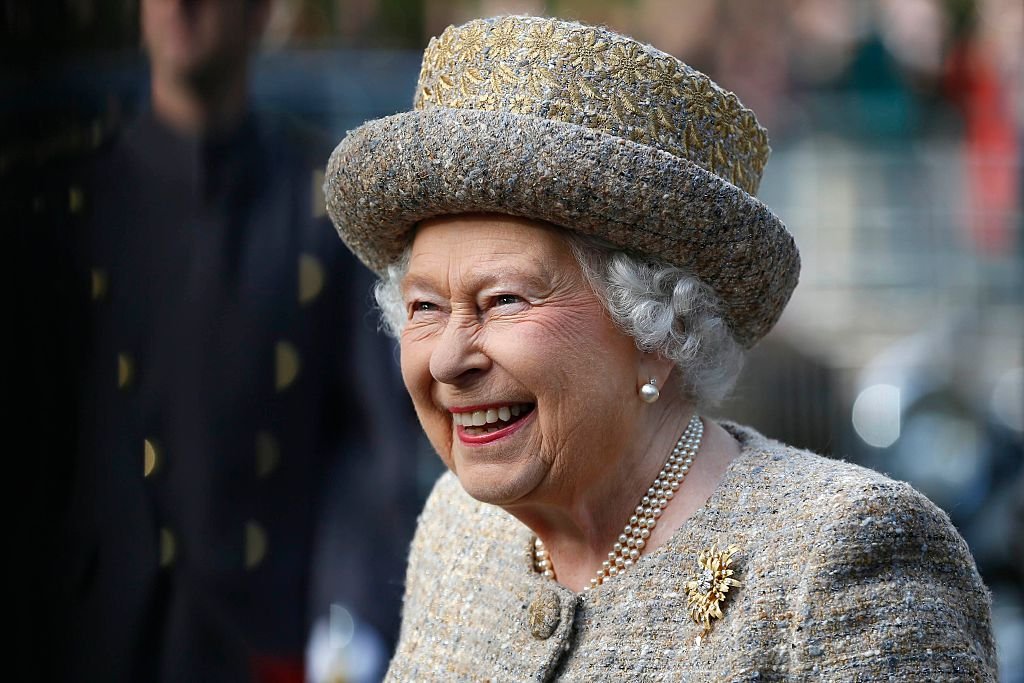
(391, 173)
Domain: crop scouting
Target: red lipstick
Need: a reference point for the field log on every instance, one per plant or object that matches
(490, 437)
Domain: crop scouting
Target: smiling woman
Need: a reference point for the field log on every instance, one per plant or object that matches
(574, 261)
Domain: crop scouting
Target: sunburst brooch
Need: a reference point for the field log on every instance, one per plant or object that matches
(708, 590)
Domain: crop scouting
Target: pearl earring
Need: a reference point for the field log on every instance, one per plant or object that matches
(649, 392)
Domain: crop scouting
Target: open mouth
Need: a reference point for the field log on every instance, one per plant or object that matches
(490, 421)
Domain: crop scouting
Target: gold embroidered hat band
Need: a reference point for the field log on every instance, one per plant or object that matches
(583, 128)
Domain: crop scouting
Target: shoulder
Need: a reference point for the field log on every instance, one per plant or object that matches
(818, 491)
(467, 581)
(881, 569)
(450, 513)
(843, 510)
(459, 539)
(447, 492)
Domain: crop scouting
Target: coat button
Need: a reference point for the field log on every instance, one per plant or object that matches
(544, 614)
(76, 199)
(319, 199)
(151, 460)
(311, 278)
(99, 283)
(168, 548)
(125, 371)
(287, 365)
(268, 453)
(255, 544)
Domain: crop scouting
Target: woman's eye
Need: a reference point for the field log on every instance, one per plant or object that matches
(506, 299)
(423, 306)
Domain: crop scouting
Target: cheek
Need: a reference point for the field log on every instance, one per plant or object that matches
(577, 344)
(588, 371)
(415, 363)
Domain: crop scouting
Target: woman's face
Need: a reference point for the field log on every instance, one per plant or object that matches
(523, 384)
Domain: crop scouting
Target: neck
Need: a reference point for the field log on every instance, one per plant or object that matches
(195, 109)
(580, 533)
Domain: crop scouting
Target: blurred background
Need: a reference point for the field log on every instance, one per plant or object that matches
(897, 164)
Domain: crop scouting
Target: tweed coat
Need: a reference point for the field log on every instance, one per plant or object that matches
(847, 576)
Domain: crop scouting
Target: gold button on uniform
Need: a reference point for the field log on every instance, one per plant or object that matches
(319, 201)
(287, 364)
(268, 453)
(255, 544)
(544, 614)
(311, 278)
(125, 371)
(99, 283)
(151, 458)
(76, 199)
(168, 547)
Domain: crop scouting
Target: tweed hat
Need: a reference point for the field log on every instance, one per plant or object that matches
(584, 128)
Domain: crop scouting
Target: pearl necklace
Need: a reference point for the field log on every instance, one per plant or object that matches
(633, 539)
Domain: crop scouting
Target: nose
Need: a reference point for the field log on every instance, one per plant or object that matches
(458, 357)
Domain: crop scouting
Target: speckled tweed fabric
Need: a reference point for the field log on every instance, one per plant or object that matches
(584, 128)
(847, 576)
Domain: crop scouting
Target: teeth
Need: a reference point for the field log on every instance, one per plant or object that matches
(489, 418)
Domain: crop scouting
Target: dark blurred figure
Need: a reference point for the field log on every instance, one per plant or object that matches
(231, 375)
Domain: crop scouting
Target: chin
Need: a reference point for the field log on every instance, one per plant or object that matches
(500, 485)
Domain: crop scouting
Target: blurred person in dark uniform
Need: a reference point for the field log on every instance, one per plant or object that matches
(230, 373)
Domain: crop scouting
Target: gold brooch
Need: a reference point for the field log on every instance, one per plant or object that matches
(708, 590)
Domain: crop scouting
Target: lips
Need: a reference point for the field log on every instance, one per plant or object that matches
(483, 424)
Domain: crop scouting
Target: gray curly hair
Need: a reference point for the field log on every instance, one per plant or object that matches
(665, 309)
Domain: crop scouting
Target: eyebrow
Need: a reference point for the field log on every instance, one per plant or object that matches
(481, 281)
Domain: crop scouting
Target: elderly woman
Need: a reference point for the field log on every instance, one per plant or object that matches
(573, 258)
